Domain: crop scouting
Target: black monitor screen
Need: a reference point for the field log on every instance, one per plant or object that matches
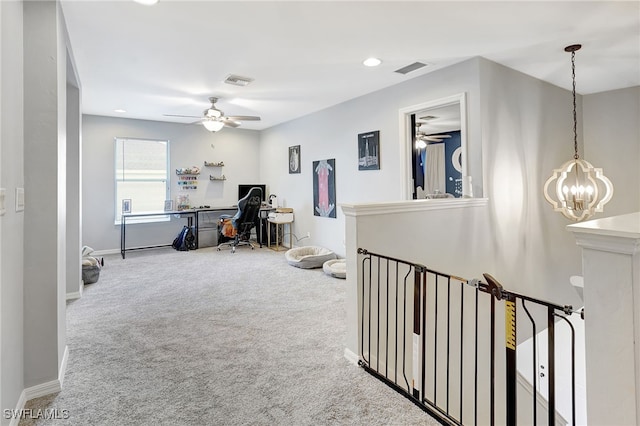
(243, 189)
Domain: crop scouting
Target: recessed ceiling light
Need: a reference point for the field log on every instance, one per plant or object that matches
(371, 62)
(120, 110)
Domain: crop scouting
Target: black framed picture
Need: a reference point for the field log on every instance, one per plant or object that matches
(294, 159)
(369, 150)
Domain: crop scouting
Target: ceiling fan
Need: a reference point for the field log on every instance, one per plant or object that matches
(213, 119)
(423, 139)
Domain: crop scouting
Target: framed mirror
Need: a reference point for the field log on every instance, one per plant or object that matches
(434, 145)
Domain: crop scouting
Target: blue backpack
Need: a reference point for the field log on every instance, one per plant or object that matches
(185, 240)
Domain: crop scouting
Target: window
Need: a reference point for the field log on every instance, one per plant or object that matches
(142, 176)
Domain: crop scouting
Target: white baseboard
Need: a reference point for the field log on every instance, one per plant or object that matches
(76, 294)
(19, 407)
(105, 252)
(351, 357)
(42, 389)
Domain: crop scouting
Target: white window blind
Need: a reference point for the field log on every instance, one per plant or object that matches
(142, 175)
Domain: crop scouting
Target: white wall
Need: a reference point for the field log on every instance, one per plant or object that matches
(12, 223)
(191, 145)
(45, 192)
(612, 142)
(333, 132)
(527, 131)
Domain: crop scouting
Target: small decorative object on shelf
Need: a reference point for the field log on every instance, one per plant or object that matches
(182, 202)
(211, 164)
(194, 170)
(221, 177)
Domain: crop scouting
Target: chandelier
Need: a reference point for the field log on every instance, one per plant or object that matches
(580, 190)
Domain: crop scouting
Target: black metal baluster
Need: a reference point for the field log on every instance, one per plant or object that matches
(364, 300)
(493, 362)
(573, 369)
(435, 345)
(475, 375)
(423, 275)
(386, 340)
(461, 347)
(448, 336)
(370, 295)
(551, 403)
(395, 329)
(378, 315)
(404, 331)
(416, 323)
(535, 363)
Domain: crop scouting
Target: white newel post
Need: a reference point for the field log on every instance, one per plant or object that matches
(611, 270)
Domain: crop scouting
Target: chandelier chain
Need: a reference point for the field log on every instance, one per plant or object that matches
(575, 116)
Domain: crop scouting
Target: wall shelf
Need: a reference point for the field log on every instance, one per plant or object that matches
(188, 171)
(218, 164)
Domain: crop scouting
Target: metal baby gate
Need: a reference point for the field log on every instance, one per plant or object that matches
(432, 337)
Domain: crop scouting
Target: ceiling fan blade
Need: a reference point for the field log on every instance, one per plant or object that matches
(229, 122)
(430, 138)
(424, 135)
(243, 118)
(184, 116)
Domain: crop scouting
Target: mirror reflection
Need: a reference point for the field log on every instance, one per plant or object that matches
(437, 152)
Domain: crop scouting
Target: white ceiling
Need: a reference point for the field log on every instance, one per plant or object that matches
(307, 55)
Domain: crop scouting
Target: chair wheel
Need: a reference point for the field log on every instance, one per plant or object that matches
(218, 248)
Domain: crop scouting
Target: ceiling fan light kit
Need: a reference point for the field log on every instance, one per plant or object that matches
(580, 189)
(212, 125)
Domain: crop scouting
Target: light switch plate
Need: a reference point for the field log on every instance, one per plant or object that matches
(3, 209)
(19, 199)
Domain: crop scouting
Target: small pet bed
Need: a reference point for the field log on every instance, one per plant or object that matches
(308, 257)
(336, 268)
(90, 266)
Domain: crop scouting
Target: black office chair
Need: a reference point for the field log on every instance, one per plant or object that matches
(238, 227)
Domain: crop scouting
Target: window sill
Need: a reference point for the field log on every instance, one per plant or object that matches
(155, 218)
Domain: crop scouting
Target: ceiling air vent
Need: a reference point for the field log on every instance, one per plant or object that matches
(409, 68)
(237, 80)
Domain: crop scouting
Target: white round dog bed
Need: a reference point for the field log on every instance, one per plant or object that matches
(308, 257)
(336, 268)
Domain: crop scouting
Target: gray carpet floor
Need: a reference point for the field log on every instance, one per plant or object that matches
(214, 338)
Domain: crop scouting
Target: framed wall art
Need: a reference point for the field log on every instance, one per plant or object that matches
(369, 150)
(324, 188)
(126, 206)
(294, 159)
